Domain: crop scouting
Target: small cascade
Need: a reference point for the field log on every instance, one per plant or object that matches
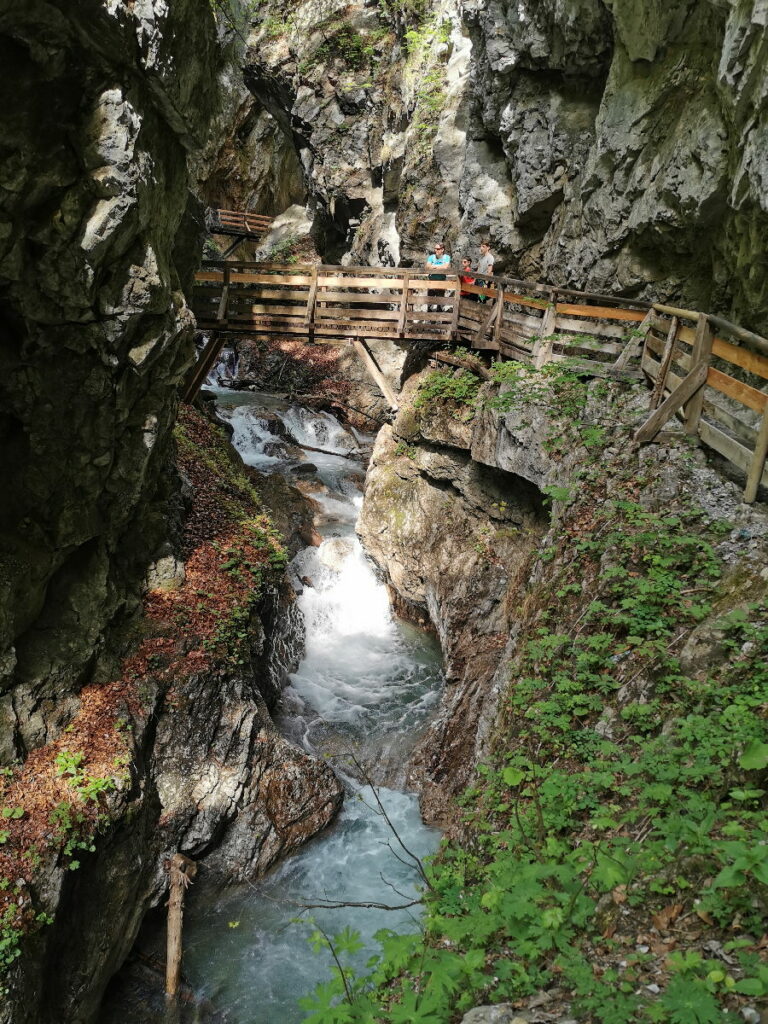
(360, 696)
(225, 369)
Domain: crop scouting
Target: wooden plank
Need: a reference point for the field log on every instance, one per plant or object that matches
(482, 330)
(563, 323)
(359, 281)
(275, 280)
(742, 357)
(222, 310)
(602, 312)
(743, 393)
(758, 461)
(681, 314)
(741, 430)
(574, 343)
(353, 300)
(756, 341)
(666, 363)
(310, 310)
(378, 377)
(205, 361)
(736, 453)
(256, 309)
(701, 353)
(403, 304)
(268, 293)
(543, 348)
(690, 385)
(357, 315)
(595, 369)
(499, 314)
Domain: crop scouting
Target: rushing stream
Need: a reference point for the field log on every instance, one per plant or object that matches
(360, 696)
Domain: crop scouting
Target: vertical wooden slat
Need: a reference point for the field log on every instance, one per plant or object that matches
(310, 313)
(456, 303)
(221, 314)
(403, 305)
(702, 353)
(758, 460)
(543, 347)
(666, 362)
(499, 316)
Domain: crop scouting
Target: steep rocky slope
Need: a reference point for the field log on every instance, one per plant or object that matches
(615, 146)
(99, 237)
(606, 862)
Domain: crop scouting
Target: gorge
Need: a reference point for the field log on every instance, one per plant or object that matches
(550, 638)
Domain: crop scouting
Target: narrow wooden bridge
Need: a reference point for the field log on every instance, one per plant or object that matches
(238, 223)
(714, 382)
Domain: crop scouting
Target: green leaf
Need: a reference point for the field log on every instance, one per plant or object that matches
(749, 987)
(512, 776)
(755, 756)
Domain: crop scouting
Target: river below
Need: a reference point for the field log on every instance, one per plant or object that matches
(361, 695)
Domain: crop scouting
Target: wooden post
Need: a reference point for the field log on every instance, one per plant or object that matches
(702, 353)
(367, 361)
(221, 314)
(205, 361)
(310, 314)
(758, 460)
(456, 304)
(691, 385)
(499, 315)
(666, 361)
(543, 347)
(403, 305)
(181, 871)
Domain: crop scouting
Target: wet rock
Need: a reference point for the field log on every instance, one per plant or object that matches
(333, 553)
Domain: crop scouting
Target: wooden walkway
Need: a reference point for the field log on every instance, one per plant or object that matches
(714, 382)
(244, 227)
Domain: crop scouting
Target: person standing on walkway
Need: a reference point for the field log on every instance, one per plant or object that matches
(466, 277)
(485, 263)
(438, 259)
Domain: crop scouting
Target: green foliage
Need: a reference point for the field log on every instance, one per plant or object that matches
(402, 448)
(664, 809)
(555, 388)
(89, 787)
(459, 387)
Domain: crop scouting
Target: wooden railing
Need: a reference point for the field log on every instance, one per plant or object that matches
(325, 303)
(237, 222)
(536, 324)
(715, 382)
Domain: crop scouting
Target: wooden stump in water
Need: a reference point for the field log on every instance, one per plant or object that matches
(181, 871)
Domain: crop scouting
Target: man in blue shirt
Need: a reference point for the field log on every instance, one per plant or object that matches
(439, 258)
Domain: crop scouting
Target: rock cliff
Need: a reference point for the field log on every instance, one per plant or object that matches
(100, 235)
(462, 496)
(612, 146)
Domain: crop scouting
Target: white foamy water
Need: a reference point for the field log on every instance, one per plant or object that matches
(363, 690)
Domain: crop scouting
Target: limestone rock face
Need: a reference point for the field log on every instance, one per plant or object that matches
(615, 146)
(450, 532)
(98, 238)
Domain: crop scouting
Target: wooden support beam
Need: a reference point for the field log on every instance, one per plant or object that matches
(368, 362)
(702, 353)
(205, 361)
(181, 871)
(543, 348)
(480, 334)
(758, 460)
(634, 343)
(403, 306)
(666, 361)
(499, 315)
(221, 313)
(692, 383)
